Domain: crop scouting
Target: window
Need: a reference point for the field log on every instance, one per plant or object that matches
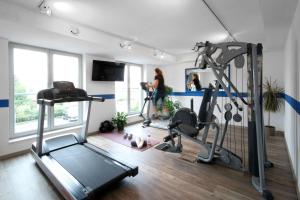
(129, 93)
(34, 69)
(66, 68)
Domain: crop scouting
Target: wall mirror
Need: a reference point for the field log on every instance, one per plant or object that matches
(196, 79)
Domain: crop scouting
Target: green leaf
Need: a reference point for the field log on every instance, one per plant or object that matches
(271, 96)
(120, 119)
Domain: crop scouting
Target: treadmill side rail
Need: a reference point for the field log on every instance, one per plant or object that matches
(67, 185)
(131, 169)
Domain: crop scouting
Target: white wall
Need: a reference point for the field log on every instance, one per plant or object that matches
(149, 72)
(292, 88)
(4, 94)
(175, 77)
(100, 111)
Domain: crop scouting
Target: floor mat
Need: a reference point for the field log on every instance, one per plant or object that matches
(162, 146)
(162, 124)
(118, 138)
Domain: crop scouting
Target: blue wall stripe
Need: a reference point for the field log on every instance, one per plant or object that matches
(4, 103)
(290, 100)
(105, 96)
(293, 102)
(200, 94)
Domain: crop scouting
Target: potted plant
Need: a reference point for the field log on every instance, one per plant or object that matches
(120, 120)
(171, 106)
(272, 101)
(163, 108)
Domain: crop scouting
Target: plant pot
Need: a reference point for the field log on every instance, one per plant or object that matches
(270, 130)
(120, 128)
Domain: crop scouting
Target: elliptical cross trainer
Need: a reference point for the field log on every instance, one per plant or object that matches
(147, 119)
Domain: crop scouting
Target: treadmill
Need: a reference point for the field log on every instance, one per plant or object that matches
(77, 169)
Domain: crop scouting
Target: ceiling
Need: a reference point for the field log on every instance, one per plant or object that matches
(169, 25)
(265, 21)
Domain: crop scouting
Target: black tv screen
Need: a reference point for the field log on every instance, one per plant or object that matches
(107, 71)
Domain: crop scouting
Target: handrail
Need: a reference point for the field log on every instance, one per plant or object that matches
(51, 102)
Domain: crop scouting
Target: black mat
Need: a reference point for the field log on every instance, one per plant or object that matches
(162, 146)
(89, 168)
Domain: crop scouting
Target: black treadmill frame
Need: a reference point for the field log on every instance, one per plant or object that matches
(65, 183)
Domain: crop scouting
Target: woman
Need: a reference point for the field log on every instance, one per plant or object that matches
(196, 82)
(158, 86)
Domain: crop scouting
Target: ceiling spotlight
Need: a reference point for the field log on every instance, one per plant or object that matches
(158, 53)
(74, 31)
(126, 44)
(45, 8)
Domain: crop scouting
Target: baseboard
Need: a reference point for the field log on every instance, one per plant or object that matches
(134, 122)
(93, 133)
(129, 124)
(292, 169)
(19, 153)
(279, 133)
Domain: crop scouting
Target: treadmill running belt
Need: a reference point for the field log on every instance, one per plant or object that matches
(91, 169)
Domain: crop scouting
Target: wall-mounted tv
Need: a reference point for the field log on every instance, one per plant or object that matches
(107, 71)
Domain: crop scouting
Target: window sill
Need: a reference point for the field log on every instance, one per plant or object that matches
(133, 119)
(30, 137)
(133, 115)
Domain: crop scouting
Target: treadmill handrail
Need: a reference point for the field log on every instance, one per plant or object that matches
(51, 102)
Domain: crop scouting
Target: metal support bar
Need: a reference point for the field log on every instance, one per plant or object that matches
(219, 20)
(39, 139)
(211, 153)
(259, 128)
(86, 128)
(143, 107)
(210, 112)
(148, 108)
(219, 77)
(235, 89)
(224, 133)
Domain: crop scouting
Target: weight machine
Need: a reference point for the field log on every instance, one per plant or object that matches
(217, 57)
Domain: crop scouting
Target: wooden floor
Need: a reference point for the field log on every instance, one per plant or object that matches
(161, 175)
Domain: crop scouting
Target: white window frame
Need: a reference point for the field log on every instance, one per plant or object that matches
(128, 87)
(50, 110)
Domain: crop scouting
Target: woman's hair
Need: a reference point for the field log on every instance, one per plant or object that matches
(158, 71)
(196, 76)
